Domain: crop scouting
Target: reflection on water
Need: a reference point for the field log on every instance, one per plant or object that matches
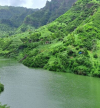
(37, 88)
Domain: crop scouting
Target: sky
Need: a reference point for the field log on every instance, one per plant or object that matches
(24, 3)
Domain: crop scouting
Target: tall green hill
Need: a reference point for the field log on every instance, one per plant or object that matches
(71, 43)
(11, 18)
(52, 10)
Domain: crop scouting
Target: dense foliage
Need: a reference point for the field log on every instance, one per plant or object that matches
(71, 43)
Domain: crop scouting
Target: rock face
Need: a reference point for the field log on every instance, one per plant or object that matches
(52, 10)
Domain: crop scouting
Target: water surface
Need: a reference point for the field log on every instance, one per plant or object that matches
(36, 88)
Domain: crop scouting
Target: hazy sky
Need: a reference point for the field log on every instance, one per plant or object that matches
(24, 3)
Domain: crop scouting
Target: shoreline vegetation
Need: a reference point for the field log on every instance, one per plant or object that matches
(1, 87)
(71, 43)
(1, 90)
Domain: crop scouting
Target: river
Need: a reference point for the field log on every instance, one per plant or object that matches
(36, 88)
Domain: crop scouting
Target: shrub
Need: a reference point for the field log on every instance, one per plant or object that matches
(95, 56)
(81, 70)
(3, 106)
(1, 88)
(40, 61)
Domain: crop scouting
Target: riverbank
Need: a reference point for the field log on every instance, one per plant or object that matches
(60, 65)
(37, 88)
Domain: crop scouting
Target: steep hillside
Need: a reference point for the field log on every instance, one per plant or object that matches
(71, 43)
(11, 18)
(52, 10)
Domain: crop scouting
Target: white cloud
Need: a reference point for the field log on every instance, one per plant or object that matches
(24, 3)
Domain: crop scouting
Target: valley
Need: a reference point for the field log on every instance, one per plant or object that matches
(62, 38)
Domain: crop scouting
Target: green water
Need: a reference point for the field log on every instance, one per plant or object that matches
(36, 88)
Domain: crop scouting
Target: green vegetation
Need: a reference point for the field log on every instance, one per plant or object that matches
(49, 13)
(4, 106)
(11, 18)
(15, 20)
(71, 43)
(1, 90)
(1, 87)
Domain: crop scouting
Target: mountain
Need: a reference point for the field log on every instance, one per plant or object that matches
(12, 17)
(71, 43)
(52, 10)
